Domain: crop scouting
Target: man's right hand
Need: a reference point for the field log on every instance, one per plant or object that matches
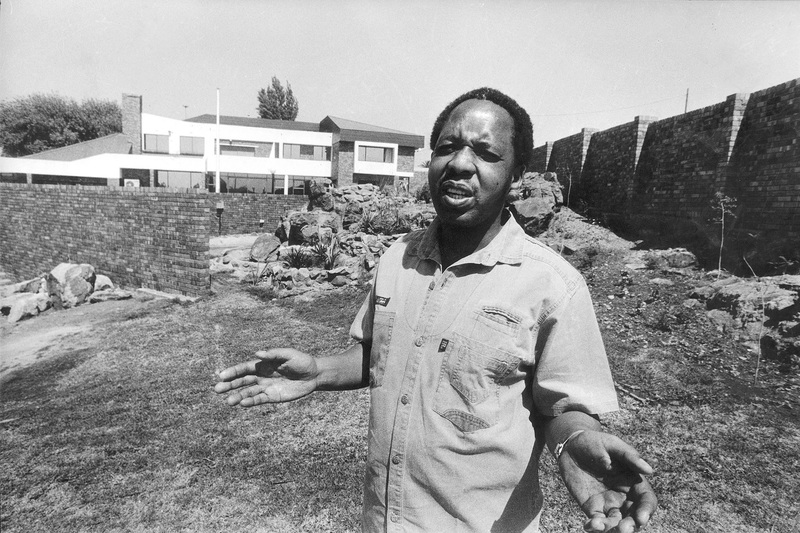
(278, 375)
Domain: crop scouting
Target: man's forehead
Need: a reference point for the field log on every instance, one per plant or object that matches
(480, 112)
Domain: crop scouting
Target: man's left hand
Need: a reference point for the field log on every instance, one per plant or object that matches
(605, 476)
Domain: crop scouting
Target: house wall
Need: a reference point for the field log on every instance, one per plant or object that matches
(152, 238)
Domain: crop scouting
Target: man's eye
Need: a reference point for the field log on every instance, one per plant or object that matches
(444, 149)
(489, 157)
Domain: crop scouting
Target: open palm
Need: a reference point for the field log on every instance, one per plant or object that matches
(605, 476)
(278, 375)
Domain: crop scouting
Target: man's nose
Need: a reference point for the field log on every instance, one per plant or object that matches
(462, 162)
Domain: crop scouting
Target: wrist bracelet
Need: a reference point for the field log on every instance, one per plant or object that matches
(559, 449)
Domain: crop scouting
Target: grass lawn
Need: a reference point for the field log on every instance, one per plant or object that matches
(131, 437)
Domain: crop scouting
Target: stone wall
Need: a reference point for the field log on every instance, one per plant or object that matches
(405, 159)
(154, 238)
(242, 212)
(344, 164)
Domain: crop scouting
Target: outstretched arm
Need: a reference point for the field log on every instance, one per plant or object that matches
(603, 474)
(285, 374)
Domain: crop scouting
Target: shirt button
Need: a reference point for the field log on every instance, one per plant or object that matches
(394, 517)
(432, 285)
(404, 399)
(419, 342)
(396, 460)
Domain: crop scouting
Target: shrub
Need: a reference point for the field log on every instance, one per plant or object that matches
(297, 257)
(423, 194)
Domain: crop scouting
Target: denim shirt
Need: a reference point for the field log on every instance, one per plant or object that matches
(462, 363)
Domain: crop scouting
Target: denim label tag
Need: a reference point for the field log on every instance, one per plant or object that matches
(443, 345)
(383, 301)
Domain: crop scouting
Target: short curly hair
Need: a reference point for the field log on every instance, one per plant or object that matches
(522, 137)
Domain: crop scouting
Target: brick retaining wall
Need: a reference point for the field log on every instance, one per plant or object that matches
(152, 238)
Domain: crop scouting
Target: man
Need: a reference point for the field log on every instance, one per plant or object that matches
(480, 346)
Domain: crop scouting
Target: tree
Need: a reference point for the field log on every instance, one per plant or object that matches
(277, 103)
(40, 122)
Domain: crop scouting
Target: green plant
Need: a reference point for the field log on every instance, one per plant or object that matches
(298, 257)
(423, 194)
(327, 254)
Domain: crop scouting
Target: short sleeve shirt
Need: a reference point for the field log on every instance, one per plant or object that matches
(462, 363)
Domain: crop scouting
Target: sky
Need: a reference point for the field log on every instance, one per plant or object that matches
(397, 64)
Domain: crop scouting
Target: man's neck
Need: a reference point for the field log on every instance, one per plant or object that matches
(456, 243)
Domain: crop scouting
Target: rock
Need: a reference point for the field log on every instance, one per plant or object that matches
(319, 197)
(722, 320)
(28, 305)
(265, 246)
(102, 283)
(32, 285)
(662, 281)
(546, 186)
(69, 284)
(340, 281)
(671, 258)
(109, 294)
(236, 255)
(534, 214)
(75, 291)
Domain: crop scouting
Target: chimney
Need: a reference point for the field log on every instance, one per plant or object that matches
(132, 121)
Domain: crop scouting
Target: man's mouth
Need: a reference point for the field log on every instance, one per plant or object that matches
(456, 191)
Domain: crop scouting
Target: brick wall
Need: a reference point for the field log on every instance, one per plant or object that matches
(541, 157)
(132, 121)
(684, 160)
(567, 158)
(242, 212)
(664, 173)
(151, 238)
(765, 166)
(607, 178)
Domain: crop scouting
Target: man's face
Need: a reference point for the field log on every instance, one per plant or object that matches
(472, 166)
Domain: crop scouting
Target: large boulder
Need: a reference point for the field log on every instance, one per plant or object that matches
(70, 284)
(27, 305)
(305, 226)
(534, 214)
(264, 248)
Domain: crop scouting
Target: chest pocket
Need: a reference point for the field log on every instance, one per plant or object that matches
(382, 325)
(468, 392)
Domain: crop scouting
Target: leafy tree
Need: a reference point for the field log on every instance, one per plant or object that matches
(39, 122)
(276, 102)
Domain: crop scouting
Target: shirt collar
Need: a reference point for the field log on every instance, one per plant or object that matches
(506, 247)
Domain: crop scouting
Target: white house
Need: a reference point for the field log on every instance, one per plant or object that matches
(255, 156)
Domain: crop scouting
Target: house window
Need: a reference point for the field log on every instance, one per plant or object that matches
(192, 145)
(156, 144)
(307, 151)
(375, 154)
(179, 179)
(322, 153)
(291, 151)
(237, 150)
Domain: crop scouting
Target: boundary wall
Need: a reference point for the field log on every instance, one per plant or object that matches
(144, 237)
(666, 172)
